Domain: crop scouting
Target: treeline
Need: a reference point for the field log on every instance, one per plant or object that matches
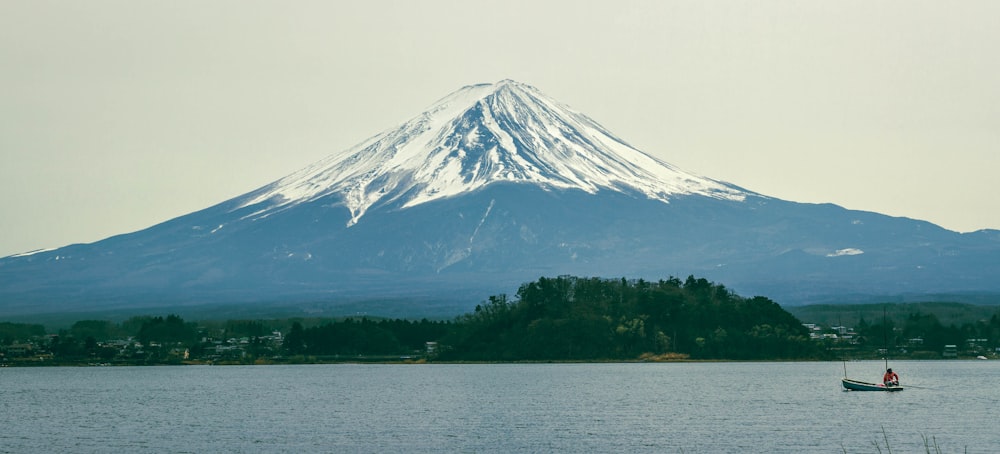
(172, 340)
(12, 332)
(562, 318)
(573, 318)
(352, 337)
(921, 332)
(850, 314)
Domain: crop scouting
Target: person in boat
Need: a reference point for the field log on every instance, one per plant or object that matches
(890, 378)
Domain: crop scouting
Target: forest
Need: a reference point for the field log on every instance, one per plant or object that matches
(572, 318)
(564, 318)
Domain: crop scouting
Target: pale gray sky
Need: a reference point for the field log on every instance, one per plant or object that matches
(117, 115)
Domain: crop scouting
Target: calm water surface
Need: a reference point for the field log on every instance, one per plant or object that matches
(675, 407)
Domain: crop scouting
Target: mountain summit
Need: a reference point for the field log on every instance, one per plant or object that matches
(493, 186)
(476, 136)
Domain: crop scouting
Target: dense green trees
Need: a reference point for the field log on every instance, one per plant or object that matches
(96, 329)
(170, 330)
(353, 337)
(15, 332)
(925, 332)
(571, 318)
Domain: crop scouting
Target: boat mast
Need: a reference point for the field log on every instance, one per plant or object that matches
(885, 337)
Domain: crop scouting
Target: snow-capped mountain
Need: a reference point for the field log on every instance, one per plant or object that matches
(477, 136)
(493, 186)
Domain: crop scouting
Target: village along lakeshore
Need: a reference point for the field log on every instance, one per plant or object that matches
(552, 319)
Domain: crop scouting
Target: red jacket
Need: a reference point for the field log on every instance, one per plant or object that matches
(890, 377)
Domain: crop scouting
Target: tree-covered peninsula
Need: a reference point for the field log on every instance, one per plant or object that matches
(574, 318)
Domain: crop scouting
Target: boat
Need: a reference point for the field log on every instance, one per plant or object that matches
(855, 385)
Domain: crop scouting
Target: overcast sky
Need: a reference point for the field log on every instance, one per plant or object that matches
(117, 115)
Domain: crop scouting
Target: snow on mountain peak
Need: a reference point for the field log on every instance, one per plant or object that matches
(476, 136)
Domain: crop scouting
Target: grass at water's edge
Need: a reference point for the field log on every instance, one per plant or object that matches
(930, 444)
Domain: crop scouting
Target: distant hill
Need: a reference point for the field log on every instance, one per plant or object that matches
(850, 314)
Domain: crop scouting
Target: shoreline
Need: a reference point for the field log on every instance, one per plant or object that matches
(424, 361)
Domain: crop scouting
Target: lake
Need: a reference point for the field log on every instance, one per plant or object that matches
(641, 407)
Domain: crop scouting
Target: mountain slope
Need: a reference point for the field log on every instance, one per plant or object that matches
(493, 186)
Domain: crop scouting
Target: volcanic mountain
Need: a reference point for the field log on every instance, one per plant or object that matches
(492, 186)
